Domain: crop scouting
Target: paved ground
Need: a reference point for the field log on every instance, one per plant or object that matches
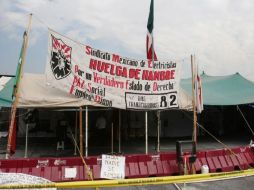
(243, 183)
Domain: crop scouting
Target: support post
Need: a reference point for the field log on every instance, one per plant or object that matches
(146, 131)
(119, 132)
(86, 131)
(112, 138)
(194, 136)
(26, 145)
(158, 131)
(80, 132)
(17, 90)
(76, 133)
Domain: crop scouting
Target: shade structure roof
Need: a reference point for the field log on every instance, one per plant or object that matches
(217, 90)
(224, 90)
(35, 92)
(6, 90)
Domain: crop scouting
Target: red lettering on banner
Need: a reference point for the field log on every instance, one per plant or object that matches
(121, 71)
(89, 88)
(158, 75)
(116, 58)
(150, 64)
(146, 76)
(163, 87)
(172, 74)
(77, 82)
(124, 72)
(76, 68)
(93, 64)
(108, 68)
(112, 70)
(88, 50)
(155, 86)
(134, 73)
(97, 98)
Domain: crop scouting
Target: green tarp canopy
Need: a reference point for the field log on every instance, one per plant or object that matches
(224, 90)
(6, 93)
(217, 90)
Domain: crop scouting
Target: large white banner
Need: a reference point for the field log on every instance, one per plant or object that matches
(110, 79)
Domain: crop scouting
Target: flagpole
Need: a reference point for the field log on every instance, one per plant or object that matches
(158, 131)
(26, 143)
(146, 131)
(76, 133)
(81, 131)
(150, 49)
(16, 93)
(119, 132)
(158, 112)
(194, 137)
(86, 145)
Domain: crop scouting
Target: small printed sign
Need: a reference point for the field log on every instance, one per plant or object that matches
(151, 101)
(70, 172)
(113, 167)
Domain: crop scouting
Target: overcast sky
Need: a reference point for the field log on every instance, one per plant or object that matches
(219, 32)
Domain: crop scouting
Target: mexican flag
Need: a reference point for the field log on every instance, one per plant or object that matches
(11, 146)
(198, 88)
(149, 38)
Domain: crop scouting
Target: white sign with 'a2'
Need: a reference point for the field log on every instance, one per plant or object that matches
(113, 167)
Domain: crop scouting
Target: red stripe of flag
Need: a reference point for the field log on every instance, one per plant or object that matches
(150, 53)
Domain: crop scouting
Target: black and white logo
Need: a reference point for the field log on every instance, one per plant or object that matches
(60, 58)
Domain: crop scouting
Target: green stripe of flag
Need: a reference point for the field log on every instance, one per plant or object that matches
(18, 70)
(150, 18)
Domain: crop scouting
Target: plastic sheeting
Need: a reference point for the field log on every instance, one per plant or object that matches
(224, 90)
(35, 92)
(217, 90)
(6, 90)
(22, 179)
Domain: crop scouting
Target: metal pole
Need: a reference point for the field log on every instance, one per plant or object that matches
(80, 132)
(17, 91)
(119, 132)
(76, 133)
(194, 138)
(146, 131)
(112, 138)
(86, 131)
(158, 131)
(158, 112)
(26, 145)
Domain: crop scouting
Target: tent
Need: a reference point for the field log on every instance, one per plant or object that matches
(35, 92)
(6, 90)
(224, 90)
(217, 90)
